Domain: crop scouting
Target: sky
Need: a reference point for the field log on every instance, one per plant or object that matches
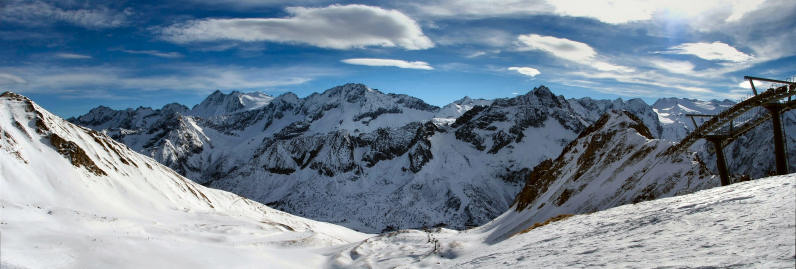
(71, 56)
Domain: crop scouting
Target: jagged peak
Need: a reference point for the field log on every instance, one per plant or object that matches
(542, 89)
(174, 108)
(219, 103)
(539, 95)
(348, 89)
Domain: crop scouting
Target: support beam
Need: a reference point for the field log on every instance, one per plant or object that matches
(721, 162)
(694, 121)
(779, 141)
(752, 83)
(769, 80)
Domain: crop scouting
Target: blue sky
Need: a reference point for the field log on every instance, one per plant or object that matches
(70, 56)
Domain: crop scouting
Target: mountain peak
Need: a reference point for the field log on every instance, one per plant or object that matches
(349, 90)
(219, 103)
(13, 95)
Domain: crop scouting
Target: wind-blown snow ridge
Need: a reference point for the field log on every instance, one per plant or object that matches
(72, 197)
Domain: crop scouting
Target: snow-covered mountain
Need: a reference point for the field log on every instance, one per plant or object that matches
(219, 103)
(614, 162)
(448, 113)
(72, 197)
(386, 160)
(672, 114)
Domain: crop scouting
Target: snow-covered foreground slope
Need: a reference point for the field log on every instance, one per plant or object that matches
(749, 224)
(73, 198)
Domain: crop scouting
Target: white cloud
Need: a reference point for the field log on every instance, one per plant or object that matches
(155, 53)
(605, 66)
(38, 13)
(677, 67)
(607, 11)
(560, 47)
(476, 54)
(686, 87)
(389, 62)
(181, 77)
(566, 49)
(72, 56)
(528, 71)
(711, 51)
(335, 26)
(9, 79)
(476, 35)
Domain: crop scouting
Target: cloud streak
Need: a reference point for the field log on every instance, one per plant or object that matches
(334, 27)
(388, 62)
(182, 77)
(73, 56)
(155, 53)
(607, 11)
(716, 51)
(566, 49)
(527, 71)
(39, 13)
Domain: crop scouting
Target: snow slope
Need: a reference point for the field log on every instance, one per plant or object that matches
(71, 197)
(748, 224)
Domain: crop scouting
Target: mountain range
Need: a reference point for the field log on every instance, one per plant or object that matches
(375, 161)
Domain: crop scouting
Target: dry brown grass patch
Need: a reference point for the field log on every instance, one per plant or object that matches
(548, 221)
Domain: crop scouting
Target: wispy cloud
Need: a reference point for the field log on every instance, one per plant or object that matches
(711, 51)
(9, 79)
(181, 77)
(527, 71)
(560, 47)
(566, 49)
(39, 13)
(72, 56)
(677, 67)
(388, 62)
(607, 11)
(335, 27)
(156, 53)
